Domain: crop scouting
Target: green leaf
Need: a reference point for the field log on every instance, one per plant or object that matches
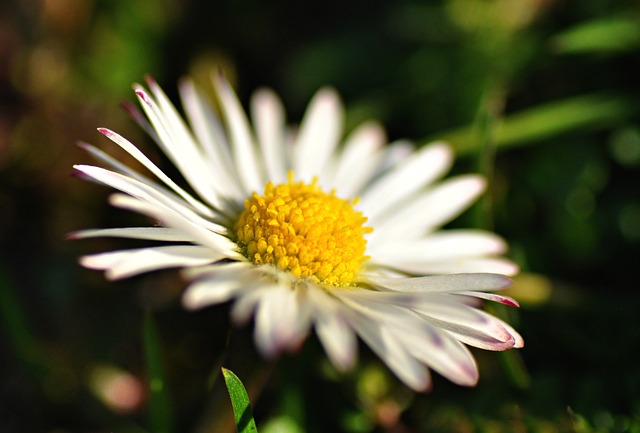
(587, 112)
(160, 414)
(240, 402)
(608, 35)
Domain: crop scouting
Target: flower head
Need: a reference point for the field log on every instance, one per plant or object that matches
(303, 230)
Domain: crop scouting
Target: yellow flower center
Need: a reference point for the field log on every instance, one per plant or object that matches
(304, 231)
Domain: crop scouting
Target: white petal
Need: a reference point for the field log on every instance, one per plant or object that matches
(209, 292)
(282, 318)
(217, 284)
(438, 246)
(469, 325)
(210, 133)
(395, 355)
(422, 339)
(493, 297)
(177, 142)
(126, 263)
(242, 270)
(149, 233)
(334, 330)
(247, 302)
(358, 162)
(319, 134)
(128, 172)
(408, 176)
(269, 123)
(518, 340)
(429, 209)
(448, 357)
(396, 152)
(115, 164)
(443, 283)
(471, 265)
(146, 162)
(193, 229)
(148, 194)
(242, 145)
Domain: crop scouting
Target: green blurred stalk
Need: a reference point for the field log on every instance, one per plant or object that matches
(14, 321)
(159, 410)
(486, 127)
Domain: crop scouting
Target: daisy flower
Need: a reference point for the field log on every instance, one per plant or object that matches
(302, 229)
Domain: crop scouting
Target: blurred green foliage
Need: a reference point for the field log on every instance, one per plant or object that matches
(541, 95)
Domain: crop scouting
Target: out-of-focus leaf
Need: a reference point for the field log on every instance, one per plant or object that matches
(530, 289)
(587, 112)
(240, 403)
(609, 35)
(281, 424)
(13, 320)
(160, 414)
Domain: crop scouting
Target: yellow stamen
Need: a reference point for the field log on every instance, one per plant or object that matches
(304, 231)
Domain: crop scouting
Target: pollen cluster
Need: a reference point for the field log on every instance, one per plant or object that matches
(304, 231)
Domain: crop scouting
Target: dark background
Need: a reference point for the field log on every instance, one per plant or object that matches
(542, 96)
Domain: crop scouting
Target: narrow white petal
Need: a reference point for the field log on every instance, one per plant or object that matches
(170, 218)
(395, 355)
(208, 292)
(422, 339)
(218, 283)
(128, 172)
(126, 263)
(443, 283)
(248, 300)
(408, 176)
(518, 340)
(114, 164)
(396, 152)
(438, 246)
(269, 123)
(469, 325)
(211, 135)
(177, 142)
(146, 162)
(149, 233)
(472, 265)
(493, 297)
(241, 270)
(281, 319)
(334, 329)
(430, 209)
(242, 145)
(359, 160)
(319, 134)
(448, 356)
(146, 193)
(338, 341)
(403, 363)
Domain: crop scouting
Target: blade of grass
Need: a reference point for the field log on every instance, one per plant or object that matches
(603, 35)
(159, 410)
(240, 403)
(587, 112)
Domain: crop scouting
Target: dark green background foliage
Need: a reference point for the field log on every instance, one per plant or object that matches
(542, 96)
